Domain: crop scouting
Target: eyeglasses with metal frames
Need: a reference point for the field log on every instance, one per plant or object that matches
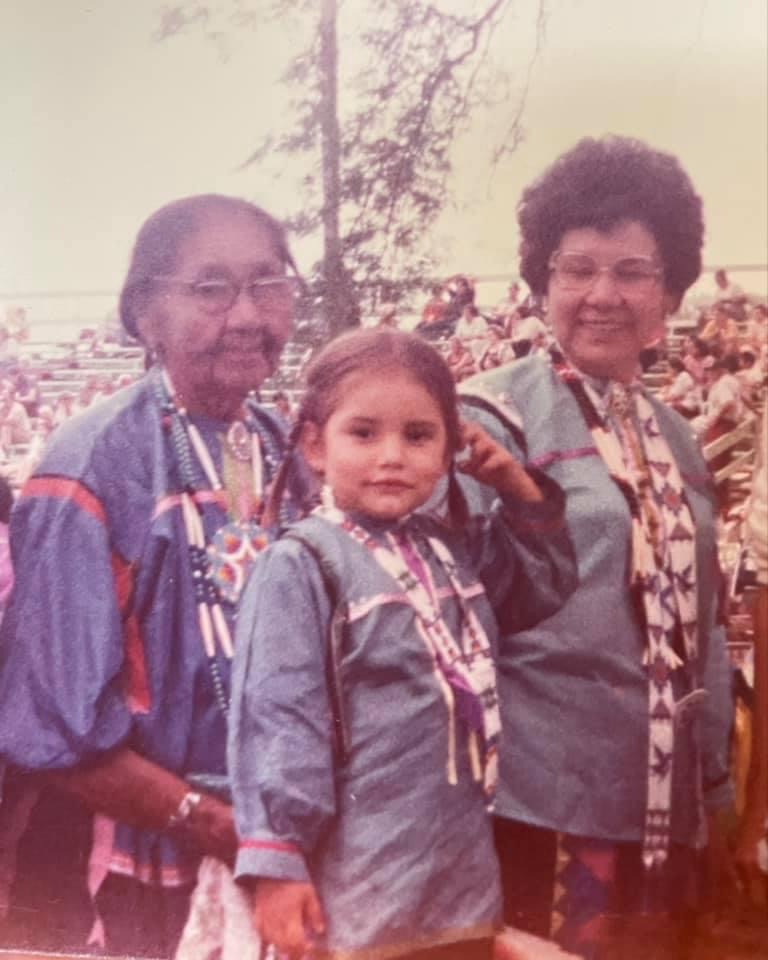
(217, 295)
(579, 272)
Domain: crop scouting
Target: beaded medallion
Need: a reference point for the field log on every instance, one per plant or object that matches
(231, 553)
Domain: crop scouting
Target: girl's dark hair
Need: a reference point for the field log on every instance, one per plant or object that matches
(377, 350)
(599, 184)
(156, 249)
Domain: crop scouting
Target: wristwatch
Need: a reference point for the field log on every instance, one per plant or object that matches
(187, 806)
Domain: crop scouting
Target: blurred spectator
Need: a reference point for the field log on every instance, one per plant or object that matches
(471, 325)
(14, 422)
(43, 429)
(498, 351)
(682, 392)
(721, 330)
(727, 292)
(530, 329)
(28, 392)
(507, 311)
(648, 358)
(723, 409)
(756, 333)
(750, 376)
(282, 403)
(64, 407)
(695, 353)
(9, 350)
(87, 342)
(461, 293)
(17, 322)
(434, 309)
(387, 315)
(460, 360)
(85, 395)
(102, 387)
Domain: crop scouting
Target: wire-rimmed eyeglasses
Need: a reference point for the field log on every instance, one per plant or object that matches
(220, 294)
(578, 272)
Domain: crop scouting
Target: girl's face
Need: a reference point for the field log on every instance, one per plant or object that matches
(384, 446)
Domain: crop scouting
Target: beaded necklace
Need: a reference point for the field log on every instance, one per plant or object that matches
(235, 545)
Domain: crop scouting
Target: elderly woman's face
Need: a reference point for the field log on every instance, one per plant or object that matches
(603, 327)
(215, 356)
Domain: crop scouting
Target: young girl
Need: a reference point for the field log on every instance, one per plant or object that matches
(362, 773)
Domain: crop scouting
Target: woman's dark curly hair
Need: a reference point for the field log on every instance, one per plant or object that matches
(599, 183)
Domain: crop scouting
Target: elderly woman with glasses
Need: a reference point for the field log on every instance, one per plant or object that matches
(131, 542)
(616, 710)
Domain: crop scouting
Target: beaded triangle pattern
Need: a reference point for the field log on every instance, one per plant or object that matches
(623, 425)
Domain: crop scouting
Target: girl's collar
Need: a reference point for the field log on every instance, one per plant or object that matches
(426, 512)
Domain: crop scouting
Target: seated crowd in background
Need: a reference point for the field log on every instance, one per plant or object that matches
(717, 377)
(33, 403)
(731, 329)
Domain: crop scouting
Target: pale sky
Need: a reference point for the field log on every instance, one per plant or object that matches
(100, 124)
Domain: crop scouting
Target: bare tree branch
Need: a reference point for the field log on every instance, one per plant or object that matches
(425, 71)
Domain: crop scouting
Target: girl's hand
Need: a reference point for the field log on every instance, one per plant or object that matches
(490, 463)
(287, 914)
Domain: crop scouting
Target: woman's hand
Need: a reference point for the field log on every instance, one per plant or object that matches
(287, 914)
(134, 790)
(490, 463)
(211, 827)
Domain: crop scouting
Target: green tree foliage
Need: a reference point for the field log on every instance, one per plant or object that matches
(382, 90)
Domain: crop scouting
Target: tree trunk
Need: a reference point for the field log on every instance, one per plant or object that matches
(337, 310)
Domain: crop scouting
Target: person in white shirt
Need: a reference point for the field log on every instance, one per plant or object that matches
(724, 407)
(533, 331)
(498, 351)
(471, 324)
(682, 393)
(723, 411)
(751, 377)
(506, 313)
(727, 291)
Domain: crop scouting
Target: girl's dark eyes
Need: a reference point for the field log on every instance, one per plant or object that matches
(412, 435)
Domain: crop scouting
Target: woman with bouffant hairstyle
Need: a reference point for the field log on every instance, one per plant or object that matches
(616, 709)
